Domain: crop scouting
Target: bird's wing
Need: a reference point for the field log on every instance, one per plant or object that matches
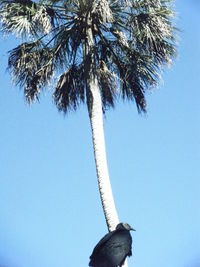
(101, 243)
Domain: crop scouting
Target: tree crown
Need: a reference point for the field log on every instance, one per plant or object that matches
(133, 39)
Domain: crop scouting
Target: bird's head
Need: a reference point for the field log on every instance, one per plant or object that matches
(124, 226)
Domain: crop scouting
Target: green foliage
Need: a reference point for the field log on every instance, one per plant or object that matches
(69, 91)
(133, 40)
(32, 67)
(25, 18)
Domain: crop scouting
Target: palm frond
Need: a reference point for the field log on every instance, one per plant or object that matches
(25, 18)
(102, 11)
(137, 75)
(32, 67)
(108, 85)
(151, 29)
(67, 42)
(70, 89)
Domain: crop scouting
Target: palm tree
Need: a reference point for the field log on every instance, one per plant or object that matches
(99, 50)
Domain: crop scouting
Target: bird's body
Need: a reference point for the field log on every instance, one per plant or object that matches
(113, 248)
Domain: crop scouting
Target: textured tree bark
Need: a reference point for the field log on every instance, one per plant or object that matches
(96, 120)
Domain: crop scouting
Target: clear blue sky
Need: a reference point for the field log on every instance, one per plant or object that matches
(50, 211)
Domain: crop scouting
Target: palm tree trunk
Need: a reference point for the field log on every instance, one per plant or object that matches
(96, 120)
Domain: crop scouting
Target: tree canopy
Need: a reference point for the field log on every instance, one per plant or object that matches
(132, 41)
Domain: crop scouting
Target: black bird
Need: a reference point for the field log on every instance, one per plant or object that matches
(113, 248)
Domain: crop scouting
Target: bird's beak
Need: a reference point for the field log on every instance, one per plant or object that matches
(133, 229)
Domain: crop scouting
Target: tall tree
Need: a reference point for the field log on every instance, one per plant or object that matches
(100, 50)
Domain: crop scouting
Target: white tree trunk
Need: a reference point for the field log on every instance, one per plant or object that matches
(96, 119)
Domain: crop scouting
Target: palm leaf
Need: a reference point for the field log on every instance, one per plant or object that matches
(70, 89)
(26, 18)
(152, 30)
(108, 85)
(32, 67)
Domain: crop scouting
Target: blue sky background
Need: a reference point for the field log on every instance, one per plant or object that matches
(50, 211)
